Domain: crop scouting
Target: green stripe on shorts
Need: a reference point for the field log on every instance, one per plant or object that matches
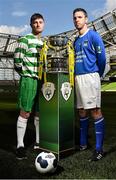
(28, 90)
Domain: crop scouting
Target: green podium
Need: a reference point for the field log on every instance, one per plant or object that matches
(57, 115)
(56, 98)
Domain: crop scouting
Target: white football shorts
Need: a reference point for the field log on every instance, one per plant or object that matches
(88, 91)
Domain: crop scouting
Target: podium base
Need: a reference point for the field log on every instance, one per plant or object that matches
(57, 115)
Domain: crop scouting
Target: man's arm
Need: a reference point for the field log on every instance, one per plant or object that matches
(100, 53)
(19, 54)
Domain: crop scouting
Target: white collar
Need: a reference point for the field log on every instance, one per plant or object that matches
(84, 33)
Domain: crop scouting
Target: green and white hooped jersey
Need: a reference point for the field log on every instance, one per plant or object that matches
(26, 56)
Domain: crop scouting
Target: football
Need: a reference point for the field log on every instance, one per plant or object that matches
(46, 162)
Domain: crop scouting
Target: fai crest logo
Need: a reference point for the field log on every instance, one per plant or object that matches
(48, 90)
(66, 90)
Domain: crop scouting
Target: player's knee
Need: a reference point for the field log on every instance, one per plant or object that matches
(24, 114)
(96, 113)
(82, 113)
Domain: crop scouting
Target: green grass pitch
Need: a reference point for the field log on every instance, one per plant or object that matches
(75, 166)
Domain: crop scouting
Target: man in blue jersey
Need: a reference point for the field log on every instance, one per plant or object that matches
(90, 63)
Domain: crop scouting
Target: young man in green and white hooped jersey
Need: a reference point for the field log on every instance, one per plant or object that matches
(26, 62)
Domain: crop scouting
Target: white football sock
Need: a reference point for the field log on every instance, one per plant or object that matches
(21, 129)
(36, 123)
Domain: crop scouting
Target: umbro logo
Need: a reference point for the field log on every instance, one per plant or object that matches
(89, 102)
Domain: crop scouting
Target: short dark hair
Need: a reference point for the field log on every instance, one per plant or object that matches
(80, 9)
(35, 16)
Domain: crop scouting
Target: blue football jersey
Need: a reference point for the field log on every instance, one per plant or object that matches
(89, 53)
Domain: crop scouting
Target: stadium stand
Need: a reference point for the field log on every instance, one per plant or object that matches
(105, 25)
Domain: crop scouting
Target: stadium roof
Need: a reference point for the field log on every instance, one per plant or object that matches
(8, 44)
(105, 26)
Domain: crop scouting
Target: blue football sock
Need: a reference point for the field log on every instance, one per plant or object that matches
(99, 131)
(84, 122)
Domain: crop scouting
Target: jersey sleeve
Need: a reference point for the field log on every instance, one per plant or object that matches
(20, 53)
(100, 52)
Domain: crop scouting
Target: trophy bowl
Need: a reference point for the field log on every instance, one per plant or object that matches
(58, 40)
(56, 65)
